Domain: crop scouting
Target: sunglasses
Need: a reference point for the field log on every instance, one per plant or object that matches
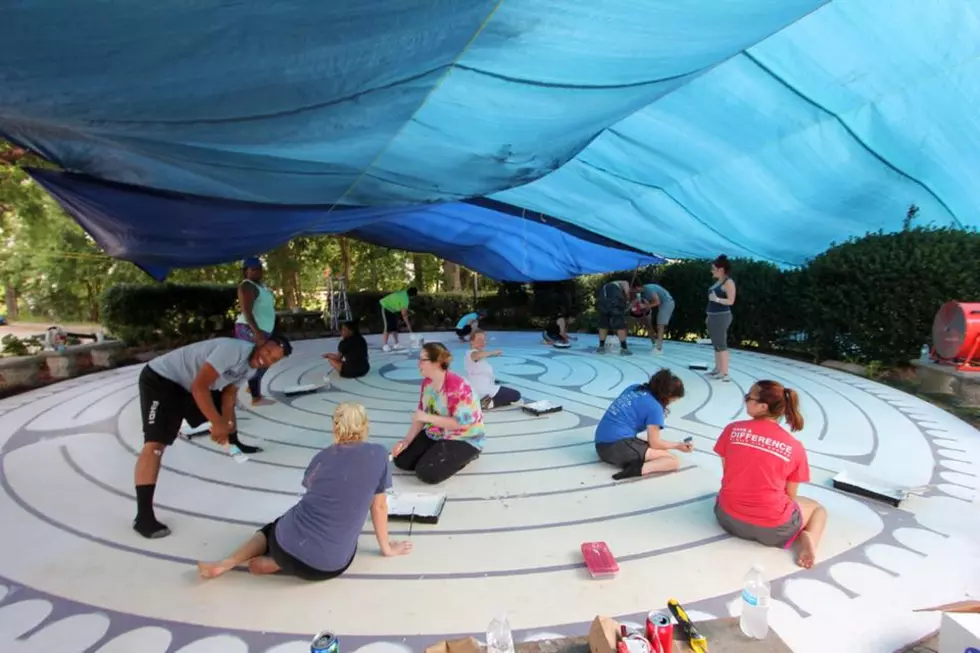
(749, 397)
(424, 360)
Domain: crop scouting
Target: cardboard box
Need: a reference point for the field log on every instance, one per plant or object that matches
(603, 635)
(465, 645)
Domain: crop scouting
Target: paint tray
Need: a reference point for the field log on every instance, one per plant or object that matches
(304, 389)
(415, 506)
(539, 408)
(599, 559)
(869, 487)
(701, 367)
(562, 345)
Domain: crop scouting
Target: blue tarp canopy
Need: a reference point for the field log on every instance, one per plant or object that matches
(574, 133)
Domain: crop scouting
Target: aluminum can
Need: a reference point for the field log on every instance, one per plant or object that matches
(325, 642)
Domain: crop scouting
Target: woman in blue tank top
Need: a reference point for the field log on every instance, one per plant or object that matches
(257, 318)
(721, 297)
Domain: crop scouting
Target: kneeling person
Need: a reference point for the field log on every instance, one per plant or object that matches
(640, 408)
(189, 384)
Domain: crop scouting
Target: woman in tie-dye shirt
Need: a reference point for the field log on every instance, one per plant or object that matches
(447, 431)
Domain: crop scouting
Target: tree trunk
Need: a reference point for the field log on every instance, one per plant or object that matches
(418, 272)
(451, 273)
(344, 257)
(10, 296)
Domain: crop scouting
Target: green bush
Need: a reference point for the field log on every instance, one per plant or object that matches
(169, 313)
(875, 298)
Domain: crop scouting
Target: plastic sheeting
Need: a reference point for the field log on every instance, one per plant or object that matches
(765, 128)
(161, 230)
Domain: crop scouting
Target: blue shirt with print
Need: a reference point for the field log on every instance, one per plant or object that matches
(632, 412)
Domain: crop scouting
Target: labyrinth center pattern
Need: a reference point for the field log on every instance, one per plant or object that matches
(509, 536)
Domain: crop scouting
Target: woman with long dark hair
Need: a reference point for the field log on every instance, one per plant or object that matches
(721, 298)
(763, 468)
(641, 408)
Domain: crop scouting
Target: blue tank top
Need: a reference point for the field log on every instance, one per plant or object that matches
(263, 308)
(715, 307)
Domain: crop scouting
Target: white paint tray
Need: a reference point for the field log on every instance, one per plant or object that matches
(304, 389)
(415, 506)
(865, 485)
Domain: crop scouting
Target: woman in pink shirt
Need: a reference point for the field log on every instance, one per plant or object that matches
(763, 468)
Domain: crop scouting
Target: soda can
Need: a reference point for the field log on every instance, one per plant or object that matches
(325, 642)
(660, 632)
(633, 644)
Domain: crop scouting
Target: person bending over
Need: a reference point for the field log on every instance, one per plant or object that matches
(654, 296)
(317, 538)
(468, 323)
(640, 408)
(190, 384)
(557, 330)
(350, 360)
(479, 373)
(447, 431)
(394, 306)
(613, 304)
(257, 318)
(763, 468)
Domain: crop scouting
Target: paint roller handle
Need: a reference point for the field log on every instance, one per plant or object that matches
(696, 640)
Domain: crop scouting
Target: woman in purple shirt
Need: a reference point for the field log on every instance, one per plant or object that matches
(317, 538)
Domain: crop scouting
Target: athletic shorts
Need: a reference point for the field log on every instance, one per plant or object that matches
(293, 566)
(612, 307)
(622, 453)
(351, 372)
(465, 331)
(391, 320)
(778, 536)
(664, 313)
(165, 404)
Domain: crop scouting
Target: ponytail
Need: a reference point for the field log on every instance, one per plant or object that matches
(665, 387)
(781, 402)
(793, 416)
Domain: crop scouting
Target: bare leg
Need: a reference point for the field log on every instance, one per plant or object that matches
(336, 364)
(262, 565)
(602, 335)
(621, 334)
(660, 337)
(659, 461)
(723, 357)
(148, 463)
(814, 522)
(255, 546)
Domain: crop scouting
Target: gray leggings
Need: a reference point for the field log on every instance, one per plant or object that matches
(718, 324)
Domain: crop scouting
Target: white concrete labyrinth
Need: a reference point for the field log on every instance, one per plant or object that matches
(75, 577)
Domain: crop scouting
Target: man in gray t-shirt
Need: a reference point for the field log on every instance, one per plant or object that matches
(654, 296)
(190, 384)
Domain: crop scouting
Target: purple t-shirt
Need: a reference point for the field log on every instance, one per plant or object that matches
(322, 529)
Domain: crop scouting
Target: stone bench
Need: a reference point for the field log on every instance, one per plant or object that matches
(947, 380)
(26, 372)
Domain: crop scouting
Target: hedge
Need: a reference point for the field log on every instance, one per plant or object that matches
(869, 299)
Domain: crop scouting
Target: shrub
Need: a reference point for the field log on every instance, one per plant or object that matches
(170, 313)
(875, 298)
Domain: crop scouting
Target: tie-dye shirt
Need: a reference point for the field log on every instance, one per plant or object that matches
(456, 399)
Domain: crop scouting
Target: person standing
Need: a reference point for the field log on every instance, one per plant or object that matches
(721, 298)
(655, 296)
(256, 319)
(394, 306)
(190, 384)
(612, 304)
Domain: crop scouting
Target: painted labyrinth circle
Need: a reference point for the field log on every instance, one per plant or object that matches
(76, 578)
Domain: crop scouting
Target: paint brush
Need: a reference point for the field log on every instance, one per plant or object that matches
(411, 522)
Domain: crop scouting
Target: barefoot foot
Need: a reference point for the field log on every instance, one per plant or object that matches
(212, 569)
(807, 553)
(262, 565)
(262, 401)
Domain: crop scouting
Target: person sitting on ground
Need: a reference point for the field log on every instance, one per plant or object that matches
(190, 384)
(479, 373)
(351, 358)
(447, 432)
(394, 306)
(763, 468)
(639, 408)
(468, 323)
(654, 296)
(316, 539)
(612, 304)
(556, 333)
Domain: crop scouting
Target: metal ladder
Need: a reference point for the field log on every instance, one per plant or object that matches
(337, 308)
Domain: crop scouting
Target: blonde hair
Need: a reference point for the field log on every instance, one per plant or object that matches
(350, 423)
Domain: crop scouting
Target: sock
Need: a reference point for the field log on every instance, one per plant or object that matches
(146, 523)
(602, 343)
(622, 344)
(630, 471)
(244, 448)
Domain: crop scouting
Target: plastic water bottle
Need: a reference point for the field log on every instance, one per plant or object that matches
(754, 621)
(924, 353)
(499, 637)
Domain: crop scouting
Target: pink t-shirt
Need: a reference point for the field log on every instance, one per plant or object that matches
(761, 457)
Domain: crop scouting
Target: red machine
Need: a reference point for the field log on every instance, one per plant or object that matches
(956, 335)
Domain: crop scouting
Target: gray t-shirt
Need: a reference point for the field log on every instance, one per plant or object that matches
(651, 289)
(229, 356)
(322, 529)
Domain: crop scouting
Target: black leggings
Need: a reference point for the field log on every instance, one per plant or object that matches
(434, 461)
(505, 396)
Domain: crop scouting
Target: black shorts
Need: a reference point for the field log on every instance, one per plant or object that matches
(165, 404)
(292, 566)
(465, 331)
(391, 320)
(353, 371)
(622, 453)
